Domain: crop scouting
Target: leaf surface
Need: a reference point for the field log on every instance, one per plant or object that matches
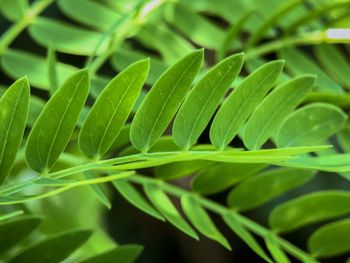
(202, 101)
(14, 107)
(242, 102)
(54, 127)
(163, 100)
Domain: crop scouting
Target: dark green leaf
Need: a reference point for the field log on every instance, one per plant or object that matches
(162, 202)
(122, 254)
(266, 186)
(162, 102)
(310, 125)
(13, 231)
(55, 125)
(201, 220)
(201, 103)
(247, 237)
(330, 240)
(269, 115)
(222, 176)
(135, 198)
(111, 110)
(309, 209)
(242, 102)
(53, 249)
(14, 106)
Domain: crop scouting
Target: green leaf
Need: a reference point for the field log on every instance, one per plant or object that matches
(201, 220)
(54, 127)
(14, 10)
(309, 209)
(52, 70)
(275, 250)
(266, 186)
(82, 11)
(271, 20)
(14, 107)
(310, 125)
(222, 176)
(196, 27)
(98, 190)
(162, 202)
(329, 162)
(53, 249)
(335, 62)
(300, 63)
(17, 63)
(67, 38)
(125, 56)
(10, 215)
(14, 231)
(159, 37)
(135, 198)
(163, 100)
(269, 115)
(247, 237)
(111, 110)
(179, 169)
(242, 102)
(232, 34)
(201, 103)
(122, 254)
(330, 240)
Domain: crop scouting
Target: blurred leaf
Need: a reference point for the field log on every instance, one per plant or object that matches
(53, 249)
(266, 186)
(300, 63)
(15, 230)
(135, 198)
(330, 240)
(161, 201)
(275, 250)
(179, 169)
(247, 237)
(222, 176)
(67, 38)
(14, 10)
(122, 254)
(310, 125)
(52, 71)
(310, 208)
(201, 220)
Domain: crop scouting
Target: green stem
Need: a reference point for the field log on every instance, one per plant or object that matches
(9, 36)
(221, 210)
(313, 38)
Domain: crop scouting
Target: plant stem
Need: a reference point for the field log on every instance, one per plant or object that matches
(221, 210)
(34, 10)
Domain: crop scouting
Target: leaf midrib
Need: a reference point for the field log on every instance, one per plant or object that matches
(168, 97)
(235, 117)
(60, 122)
(275, 112)
(208, 100)
(116, 110)
(10, 125)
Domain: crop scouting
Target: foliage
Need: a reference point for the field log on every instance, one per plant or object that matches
(287, 108)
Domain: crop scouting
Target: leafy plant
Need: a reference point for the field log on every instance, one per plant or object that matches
(288, 114)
